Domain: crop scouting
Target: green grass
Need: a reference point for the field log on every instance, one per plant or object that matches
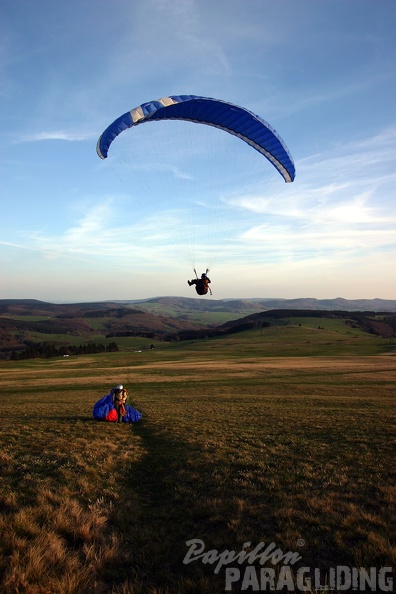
(237, 444)
(208, 318)
(26, 318)
(294, 340)
(294, 336)
(328, 324)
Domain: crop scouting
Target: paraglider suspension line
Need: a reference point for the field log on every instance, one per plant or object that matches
(196, 275)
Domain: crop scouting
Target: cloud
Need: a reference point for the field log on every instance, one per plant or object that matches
(150, 241)
(69, 136)
(341, 203)
(340, 207)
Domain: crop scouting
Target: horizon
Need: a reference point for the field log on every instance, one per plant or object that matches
(195, 298)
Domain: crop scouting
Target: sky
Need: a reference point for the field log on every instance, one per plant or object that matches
(174, 195)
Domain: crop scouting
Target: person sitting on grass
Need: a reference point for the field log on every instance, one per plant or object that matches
(113, 407)
(120, 395)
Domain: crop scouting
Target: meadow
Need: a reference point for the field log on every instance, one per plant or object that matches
(261, 438)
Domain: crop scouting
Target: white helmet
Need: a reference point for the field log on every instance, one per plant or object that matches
(119, 387)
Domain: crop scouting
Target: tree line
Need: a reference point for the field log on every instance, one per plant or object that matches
(44, 350)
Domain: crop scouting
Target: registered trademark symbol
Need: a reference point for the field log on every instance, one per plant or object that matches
(300, 542)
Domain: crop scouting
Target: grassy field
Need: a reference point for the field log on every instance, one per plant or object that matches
(260, 438)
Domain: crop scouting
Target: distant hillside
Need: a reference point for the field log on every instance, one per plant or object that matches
(176, 306)
(24, 323)
(383, 325)
(33, 307)
(182, 304)
(380, 324)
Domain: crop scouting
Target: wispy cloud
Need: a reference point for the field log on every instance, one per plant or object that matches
(67, 135)
(96, 234)
(341, 202)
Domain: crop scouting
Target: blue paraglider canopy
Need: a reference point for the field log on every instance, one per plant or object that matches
(105, 410)
(233, 119)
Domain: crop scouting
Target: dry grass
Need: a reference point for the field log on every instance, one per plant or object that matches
(274, 450)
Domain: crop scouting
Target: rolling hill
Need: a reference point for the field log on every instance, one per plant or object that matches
(24, 324)
(182, 305)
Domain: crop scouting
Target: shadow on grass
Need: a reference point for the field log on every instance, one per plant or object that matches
(179, 492)
(176, 494)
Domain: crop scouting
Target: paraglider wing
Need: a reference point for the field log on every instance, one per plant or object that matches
(203, 110)
(104, 410)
